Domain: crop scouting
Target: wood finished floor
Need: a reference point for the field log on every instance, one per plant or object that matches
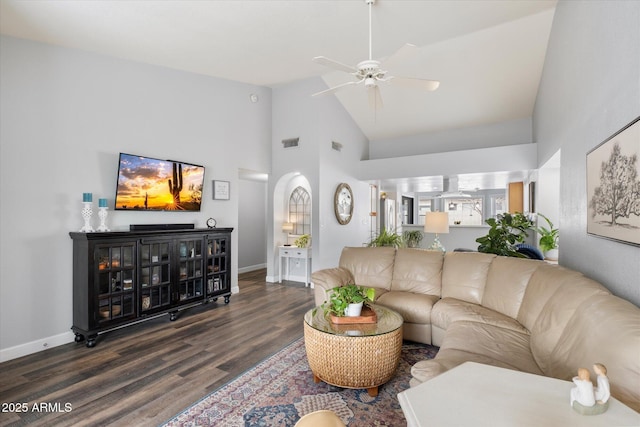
(145, 374)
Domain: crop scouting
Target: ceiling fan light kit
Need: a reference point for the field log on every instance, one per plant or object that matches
(370, 72)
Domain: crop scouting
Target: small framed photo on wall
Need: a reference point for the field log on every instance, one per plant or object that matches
(221, 190)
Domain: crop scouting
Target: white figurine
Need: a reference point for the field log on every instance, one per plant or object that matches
(583, 391)
(602, 392)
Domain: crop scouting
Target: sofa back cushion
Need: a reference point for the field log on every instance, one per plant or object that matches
(418, 270)
(604, 329)
(369, 266)
(555, 315)
(544, 282)
(464, 275)
(506, 284)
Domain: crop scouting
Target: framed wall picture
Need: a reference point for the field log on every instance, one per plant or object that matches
(613, 186)
(221, 190)
(343, 203)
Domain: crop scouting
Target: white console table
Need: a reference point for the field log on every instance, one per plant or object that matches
(286, 253)
(473, 394)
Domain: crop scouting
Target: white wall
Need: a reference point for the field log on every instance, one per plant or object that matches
(590, 89)
(317, 121)
(66, 115)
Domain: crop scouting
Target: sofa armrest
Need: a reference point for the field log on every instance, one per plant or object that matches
(327, 279)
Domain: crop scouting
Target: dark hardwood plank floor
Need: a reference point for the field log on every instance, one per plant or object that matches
(145, 374)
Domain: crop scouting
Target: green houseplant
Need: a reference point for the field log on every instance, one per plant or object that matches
(302, 241)
(506, 232)
(412, 238)
(341, 296)
(386, 238)
(548, 237)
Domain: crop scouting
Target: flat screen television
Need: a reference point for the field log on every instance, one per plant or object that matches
(147, 184)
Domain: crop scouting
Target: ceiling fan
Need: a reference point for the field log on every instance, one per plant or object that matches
(370, 73)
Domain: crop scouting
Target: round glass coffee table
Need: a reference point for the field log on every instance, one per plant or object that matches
(363, 355)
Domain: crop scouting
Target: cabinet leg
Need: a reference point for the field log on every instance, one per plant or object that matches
(226, 299)
(91, 341)
(79, 338)
(173, 316)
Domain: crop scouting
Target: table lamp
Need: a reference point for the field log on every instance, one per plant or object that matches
(436, 222)
(287, 227)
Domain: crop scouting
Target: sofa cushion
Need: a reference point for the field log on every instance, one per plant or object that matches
(482, 342)
(604, 329)
(544, 282)
(369, 266)
(418, 271)
(465, 274)
(449, 310)
(413, 307)
(555, 315)
(327, 279)
(506, 283)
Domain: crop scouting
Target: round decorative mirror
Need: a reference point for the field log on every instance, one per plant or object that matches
(343, 203)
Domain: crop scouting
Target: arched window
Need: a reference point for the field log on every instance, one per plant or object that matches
(300, 211)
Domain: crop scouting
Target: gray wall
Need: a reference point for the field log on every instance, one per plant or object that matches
(252, 225)
(590, 89)
(66, 115)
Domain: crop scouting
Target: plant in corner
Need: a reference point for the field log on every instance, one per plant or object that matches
(386, 238)
(506, 232)
(412, 238)
(341, 296)
(548, 236)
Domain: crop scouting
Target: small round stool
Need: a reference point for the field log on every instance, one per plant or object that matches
(321, 418)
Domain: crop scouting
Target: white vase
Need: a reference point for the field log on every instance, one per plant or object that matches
(551, 254)
(353, 310)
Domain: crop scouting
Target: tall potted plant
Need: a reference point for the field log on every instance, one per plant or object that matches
(548, 239)
(506, 232)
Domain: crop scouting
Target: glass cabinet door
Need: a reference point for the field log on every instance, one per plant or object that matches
(217, 263)
(116, 281)
(190, 276)
(155, 275)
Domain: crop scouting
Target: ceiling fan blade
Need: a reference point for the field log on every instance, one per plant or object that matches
(401, 56)
(375, 99)
(412, 82)
(336, 88)
(334, 64)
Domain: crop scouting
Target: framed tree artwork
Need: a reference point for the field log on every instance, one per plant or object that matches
(343, 203)
(613, 186)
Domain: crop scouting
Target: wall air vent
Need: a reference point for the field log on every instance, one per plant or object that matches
(290, 143)
(336, 146)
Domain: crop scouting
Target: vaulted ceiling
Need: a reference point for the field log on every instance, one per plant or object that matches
(488, 55)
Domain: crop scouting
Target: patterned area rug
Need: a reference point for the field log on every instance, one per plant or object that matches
(280, 390)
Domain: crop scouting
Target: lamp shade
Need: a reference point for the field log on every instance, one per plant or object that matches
(287, 226)
(436, 222)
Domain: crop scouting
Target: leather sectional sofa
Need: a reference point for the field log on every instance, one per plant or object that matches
(515, 313)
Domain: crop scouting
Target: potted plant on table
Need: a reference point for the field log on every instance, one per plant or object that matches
(348, 300)
(412, 238)
(548, 239)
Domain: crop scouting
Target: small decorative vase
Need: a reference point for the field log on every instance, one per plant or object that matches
(353, 310)
(102, 214)
(87, 212)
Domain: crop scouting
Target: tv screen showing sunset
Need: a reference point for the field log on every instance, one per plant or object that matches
(158, 185)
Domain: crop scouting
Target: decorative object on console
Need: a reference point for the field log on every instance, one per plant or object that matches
(438, 223)
(302, 241)
(612, 182)
(412, 238)
(587, 400)
(102, 214)
(211, 223)
(87, 212)
(221, 190)
(343, 203)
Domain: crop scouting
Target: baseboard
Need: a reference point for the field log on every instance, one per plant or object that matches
(271, 279)
(36, 346)
(252, 268)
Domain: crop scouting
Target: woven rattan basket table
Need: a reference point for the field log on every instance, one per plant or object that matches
(353, 356)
